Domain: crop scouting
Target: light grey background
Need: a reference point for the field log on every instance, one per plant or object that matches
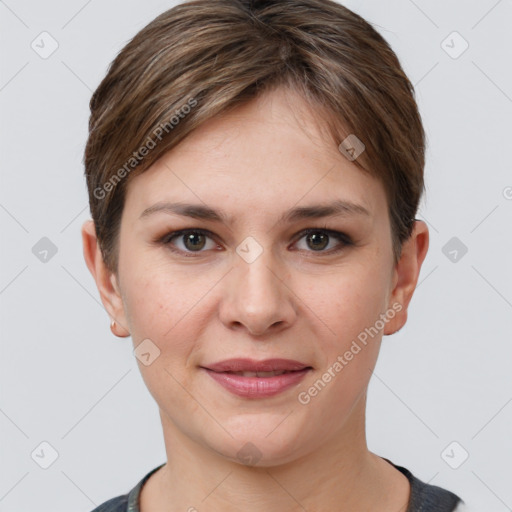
(67, 381)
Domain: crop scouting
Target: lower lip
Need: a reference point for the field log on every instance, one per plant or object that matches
(257, 387)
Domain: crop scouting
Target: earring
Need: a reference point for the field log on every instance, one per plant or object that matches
(113, 325)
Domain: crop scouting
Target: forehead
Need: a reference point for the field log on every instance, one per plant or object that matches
(269, 153)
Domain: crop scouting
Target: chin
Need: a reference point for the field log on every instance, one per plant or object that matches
(262, 440)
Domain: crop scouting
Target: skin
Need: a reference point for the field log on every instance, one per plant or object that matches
(294, 301)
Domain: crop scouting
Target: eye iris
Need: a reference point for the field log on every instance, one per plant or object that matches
(192, 238)
(320, 240)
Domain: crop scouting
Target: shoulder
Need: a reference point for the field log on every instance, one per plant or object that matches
(118, 504)
(126, 502)
(430, 498)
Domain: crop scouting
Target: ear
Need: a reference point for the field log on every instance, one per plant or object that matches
(406, 274)
(106, 281)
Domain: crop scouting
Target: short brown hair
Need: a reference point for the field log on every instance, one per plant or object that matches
(204, 57)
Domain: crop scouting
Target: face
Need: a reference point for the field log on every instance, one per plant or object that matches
(238, 275)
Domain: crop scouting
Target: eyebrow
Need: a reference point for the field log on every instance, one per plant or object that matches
(202, 212)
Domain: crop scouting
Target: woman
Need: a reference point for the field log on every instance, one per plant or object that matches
(254, 170)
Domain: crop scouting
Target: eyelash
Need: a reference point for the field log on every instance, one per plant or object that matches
(341, 237)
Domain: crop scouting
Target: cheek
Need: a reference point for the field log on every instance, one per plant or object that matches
(351, 310)
(351, 306)
(165, 311)
(349, 302)
(158, 301)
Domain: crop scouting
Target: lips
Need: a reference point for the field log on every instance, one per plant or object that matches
(257, 379)
(259, 374)
(253, 366)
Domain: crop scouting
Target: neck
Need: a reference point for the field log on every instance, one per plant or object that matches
(340, 474)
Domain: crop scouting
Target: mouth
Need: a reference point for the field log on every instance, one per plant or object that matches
(257, 379)
(244, 365)
(260, 374)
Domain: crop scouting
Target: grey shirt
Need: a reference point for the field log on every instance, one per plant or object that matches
(424, 497)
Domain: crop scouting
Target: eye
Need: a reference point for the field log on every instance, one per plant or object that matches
(189, 240)
(318, 239)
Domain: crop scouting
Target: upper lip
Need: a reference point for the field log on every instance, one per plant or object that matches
(252, 365)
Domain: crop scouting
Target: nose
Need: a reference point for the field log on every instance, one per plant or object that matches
(256, 297)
